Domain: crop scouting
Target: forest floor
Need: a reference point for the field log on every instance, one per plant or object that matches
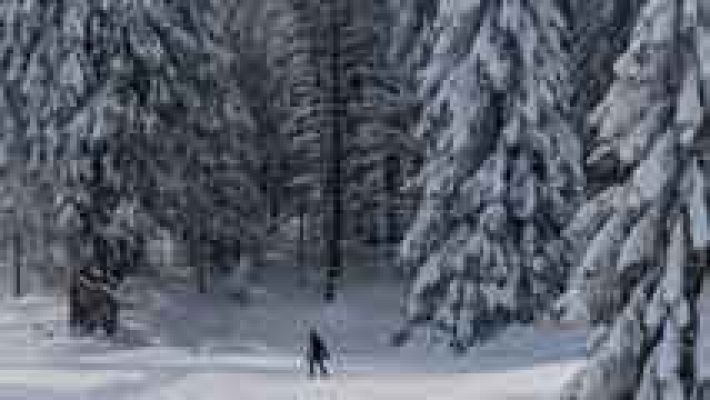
(182, 345)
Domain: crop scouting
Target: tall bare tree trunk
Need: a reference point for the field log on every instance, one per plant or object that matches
(18, 259)
(300, 250)
(337, 18)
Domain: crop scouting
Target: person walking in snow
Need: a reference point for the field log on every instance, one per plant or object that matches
(317, 353)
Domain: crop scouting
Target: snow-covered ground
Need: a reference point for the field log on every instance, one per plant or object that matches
(209, 347)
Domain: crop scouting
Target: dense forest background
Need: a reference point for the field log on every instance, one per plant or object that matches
(509, 161)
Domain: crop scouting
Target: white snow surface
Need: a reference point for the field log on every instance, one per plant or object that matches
(189, 346)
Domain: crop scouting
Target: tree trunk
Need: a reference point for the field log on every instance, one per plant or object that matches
(300, 250)
(333, 192)
(18, 259)
(195, 262)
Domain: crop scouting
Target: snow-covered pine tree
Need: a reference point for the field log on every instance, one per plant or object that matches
(246, 25)
(380, 149)
(19, 201)
(403, 53)
(52, 96)
(295, 107)
(502, 172)
(371, 121)
(295, 96)
(599, 34)
(133, 89)
(410, 38)
(639, 238)
(216, 146)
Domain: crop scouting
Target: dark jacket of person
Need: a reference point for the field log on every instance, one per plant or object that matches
(317, 349)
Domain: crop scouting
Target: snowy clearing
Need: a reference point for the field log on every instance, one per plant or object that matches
(206, 347)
